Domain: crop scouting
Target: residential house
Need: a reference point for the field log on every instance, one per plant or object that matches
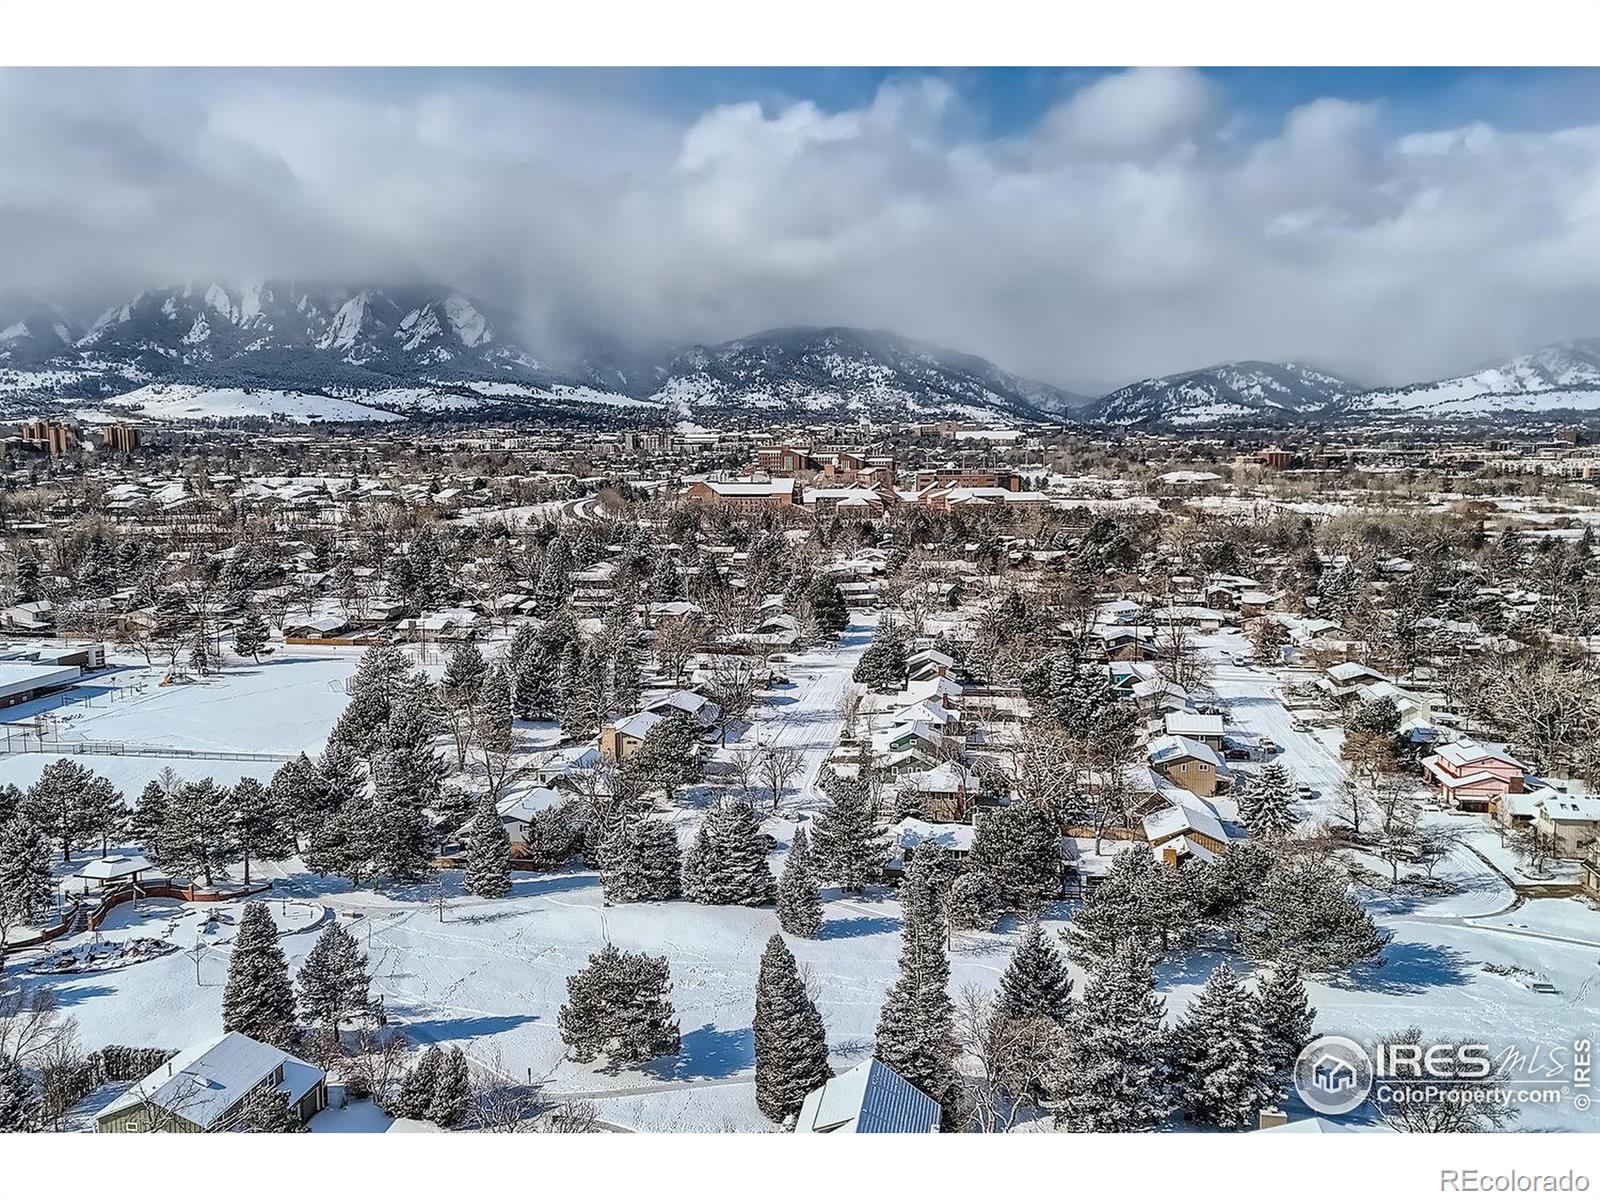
(1473, 776)
(202, 1088)
(1189, 764)
(870, 1098)
(704, 712)
(516, 814)
(946, 790)
(1202, 727)
(1570, 823)
(1188, 829)
(618, 741)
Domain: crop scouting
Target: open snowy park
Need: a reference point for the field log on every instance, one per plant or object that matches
(490, 975)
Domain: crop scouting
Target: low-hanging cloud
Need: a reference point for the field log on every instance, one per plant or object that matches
(1138, 227)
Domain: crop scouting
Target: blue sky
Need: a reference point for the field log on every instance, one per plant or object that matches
(1013, 98)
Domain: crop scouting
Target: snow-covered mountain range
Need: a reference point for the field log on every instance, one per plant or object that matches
(1225, 394)
(312, 352)
(1562, 377)
(848, 373)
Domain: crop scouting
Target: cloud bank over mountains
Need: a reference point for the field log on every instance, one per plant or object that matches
(1141, 224)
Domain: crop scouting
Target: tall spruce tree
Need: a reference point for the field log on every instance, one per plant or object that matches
(1107, 1075)
(20, 1104)
(727, 864)
(452, 1091)
(1036, 983)
(1019, 848)
(250, 638)
(640, 860)
(1266, 802)
(258, 1000)
(846, 846)
(620, 1005)
(1304, 914)
(488, 853)
(916, 1029)
(259, 828)
(197, 832)
(334, 984)
(418, 1087)
(799, 905)
(1219, 1061)
(1140, 900)
(791, 1043)
(26, 885)
(55, 801)
(1286, 1019)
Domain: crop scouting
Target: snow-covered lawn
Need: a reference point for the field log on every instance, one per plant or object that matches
(285, 705)
(131, 772)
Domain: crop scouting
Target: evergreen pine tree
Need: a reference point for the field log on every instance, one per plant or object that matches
(1036, 983)
(149, 814)
(727, 864)
(260, 828)
(1266, 802)
(464, 673)
(20, 1105)
(846, 847)
(799, 905)
(451, 1091)
(1286, 1019)
(420, 1084)
(200, 651)
(640, 860)
(250, 638)
(1304, 914)
(334, 983)
(791, 1043)
(828, 606)
(1019, 849)
(1106, 1075)
(916, 1030)
(975, 902)
(26, 885)
(258, 1000)
(1140, 900)
(620, 1006)
(488, 853)
(55, 801)
(197, 830)
(1219, 1062)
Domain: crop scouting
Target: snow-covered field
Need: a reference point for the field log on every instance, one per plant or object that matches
(491, 975)
(284, 705)
(192, 402)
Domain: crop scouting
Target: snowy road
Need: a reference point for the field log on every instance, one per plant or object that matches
(805, 713)
(1254, 702)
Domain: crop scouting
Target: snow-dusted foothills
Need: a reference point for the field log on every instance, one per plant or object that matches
(949, 776)
(219, 351)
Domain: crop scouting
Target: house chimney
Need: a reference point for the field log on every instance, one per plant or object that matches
(1271, 1118)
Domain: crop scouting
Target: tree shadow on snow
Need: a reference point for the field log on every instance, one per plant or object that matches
(707, 1053)
(75, 993)
(1192, 966)
(1409, 968)
(442, 1029)
(849, 927)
